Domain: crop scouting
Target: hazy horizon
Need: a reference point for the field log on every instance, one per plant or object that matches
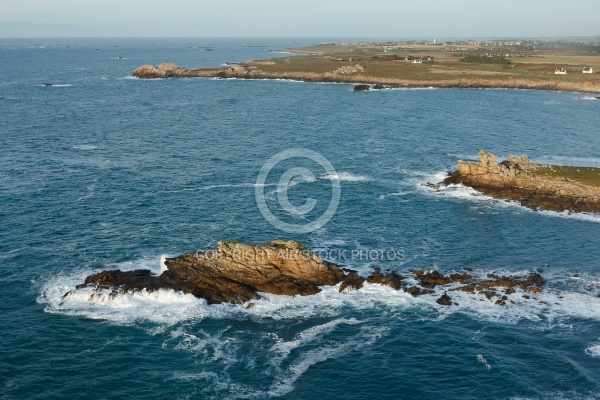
(300, 19)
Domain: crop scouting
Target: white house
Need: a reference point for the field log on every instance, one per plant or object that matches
(560, 71)
(417, 61)
(587, 70)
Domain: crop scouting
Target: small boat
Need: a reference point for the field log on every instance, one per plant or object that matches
(46, 84)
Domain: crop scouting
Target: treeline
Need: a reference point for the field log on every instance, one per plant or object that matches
(481, 59)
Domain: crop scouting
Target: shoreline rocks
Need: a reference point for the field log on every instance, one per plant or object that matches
(536, 186)
(237, 273)
(251, 70)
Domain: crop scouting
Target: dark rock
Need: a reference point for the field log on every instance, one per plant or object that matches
(434, 278)
(391, 279)
(353, 281)
(361, 88)
(535, 279)
(444, 300)
(414, 290)
(378, 86)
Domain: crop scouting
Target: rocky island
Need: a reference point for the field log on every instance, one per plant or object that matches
(237, 273)
(537, 186)
(397, 65)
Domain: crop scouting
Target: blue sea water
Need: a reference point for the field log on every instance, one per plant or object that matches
(103, 171)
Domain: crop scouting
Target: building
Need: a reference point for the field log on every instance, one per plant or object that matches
(587, 70)
(417, 61)
(560, 71)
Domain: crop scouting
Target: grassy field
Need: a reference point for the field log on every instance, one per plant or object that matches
(585, 175)
(531, 65)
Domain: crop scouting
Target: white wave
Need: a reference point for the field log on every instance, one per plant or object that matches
(164, 306)
(346, 177)
(394, 194)
(169, 307)
(415, 88)
(220, 186)
(163, 265)
(593, 350)
(85, 147)
(588, 98)
(308, 336)
(285, 380)
(481, 359)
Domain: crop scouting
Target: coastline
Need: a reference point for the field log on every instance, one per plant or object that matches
(239, 71)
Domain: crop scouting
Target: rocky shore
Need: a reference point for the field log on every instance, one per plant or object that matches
(251, 71)
(537, 186)
(237, 273)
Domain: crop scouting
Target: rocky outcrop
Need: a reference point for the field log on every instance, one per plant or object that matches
(166, 70)
(536, 186)
(238, 273)
(233, 272)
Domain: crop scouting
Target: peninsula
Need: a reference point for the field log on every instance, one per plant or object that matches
(521, 65)
(537, 186)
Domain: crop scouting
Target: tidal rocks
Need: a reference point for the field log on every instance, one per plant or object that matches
(390, 278)
(237, 273)
(540, 187)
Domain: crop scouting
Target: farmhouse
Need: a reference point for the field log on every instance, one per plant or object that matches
(560, 71)
(587, 70)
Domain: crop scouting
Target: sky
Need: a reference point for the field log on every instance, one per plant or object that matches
(300, 18)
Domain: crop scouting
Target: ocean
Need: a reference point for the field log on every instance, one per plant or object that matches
(102, 171)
